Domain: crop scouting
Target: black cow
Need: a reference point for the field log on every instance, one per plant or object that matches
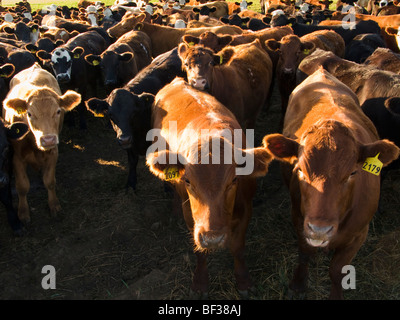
(16, 131)
(236, 20)
(70, 68)
(26, 33)
(367, 26)
(362, 46)
(20, 58)
(129, 108)
(123, 59)
(385, 114)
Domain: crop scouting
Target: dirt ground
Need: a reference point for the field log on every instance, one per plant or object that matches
(109, 244)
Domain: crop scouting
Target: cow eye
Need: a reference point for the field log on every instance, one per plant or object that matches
(29, 114)
(212, 63)
(187, 182)
(59, 111)
(353, 173)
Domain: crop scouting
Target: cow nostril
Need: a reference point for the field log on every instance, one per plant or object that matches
(210, 239)
(320, 230)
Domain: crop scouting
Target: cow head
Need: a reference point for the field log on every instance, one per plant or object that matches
(292, 50)
(43, 110)
(61, 61)
(9, 132)
(208, 39)
(208, 188)
(199, 64)
(109, 62)
(123, 108)
(327, 166)
(127, 23)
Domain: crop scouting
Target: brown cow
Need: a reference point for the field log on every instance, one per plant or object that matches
(292, 49)
(165, 38)
(239, 77)
(35, 99)
(384, 59)
(325, 142)
(216, 198)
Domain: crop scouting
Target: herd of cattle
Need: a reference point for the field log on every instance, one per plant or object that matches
(202, 70)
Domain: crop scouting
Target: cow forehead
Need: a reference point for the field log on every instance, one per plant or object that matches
(59, 54)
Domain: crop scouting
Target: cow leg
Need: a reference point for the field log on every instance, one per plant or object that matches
(199, 287)
(242, 275)
(12, 217)
(133, 160)
(343, 256)
(22, 186)
(49, 180)
(298, 284)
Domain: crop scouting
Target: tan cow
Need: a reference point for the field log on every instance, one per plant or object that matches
(216, 197)
(239, 76)
(326, 142)
(35, 99)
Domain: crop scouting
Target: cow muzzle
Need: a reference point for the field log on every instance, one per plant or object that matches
(63, 78)
(212, 240)
(199, 83)
(48, 141)
(319, 235)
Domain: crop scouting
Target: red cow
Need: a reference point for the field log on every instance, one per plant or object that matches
(325, 144)
(216, 198)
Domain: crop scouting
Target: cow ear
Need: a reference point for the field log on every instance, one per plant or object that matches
(139, 26)
(43, 55)
(93, 59)
(126, 56)
(266, 20)
(97, 106)
(307, 47)
(213, 9)
(16, 105)
(182, 50)
(59, 42)
(147, 99)
(272, 44)
(249, 3)
(391, 31)
(165, 165)
(77, 52)
(223, 57)
(225, 40)
(190, 40)
(6, 70)
(393, 105)
(17, 130)
(69, 100)
(196, 10)
(281, 148)
(261, 160)
(8, 30)
(386, 149)
(31, 48)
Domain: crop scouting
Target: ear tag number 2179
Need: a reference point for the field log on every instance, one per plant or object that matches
(373, 165)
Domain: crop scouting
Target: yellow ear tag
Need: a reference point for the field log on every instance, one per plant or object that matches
(306, 51)
(76, 56)
(289, 24)
(191, 44)
(17, 131)
(171, 173)
(138, 27)
(221, 59)
(99, 115)
(373, 165)
(95, 62)
(34, 30)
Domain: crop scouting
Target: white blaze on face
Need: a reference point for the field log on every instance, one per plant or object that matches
(180, 24)
(304, 7)
(8, 17)
(182, 2)
(92, 19)
(59, 54)
(243, 5)
(383, 3)
(149, 9)
(277, 12)
(28, 15)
